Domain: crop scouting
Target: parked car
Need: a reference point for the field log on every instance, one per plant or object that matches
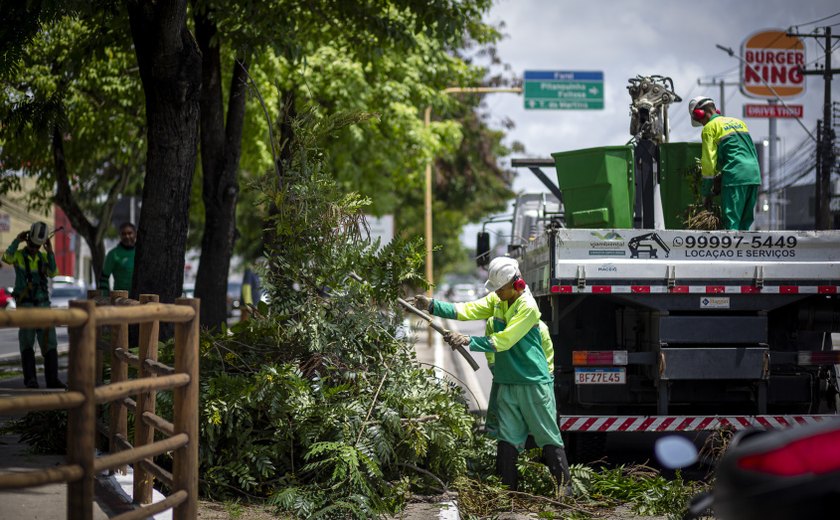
(7, 302)
(65, 288)
(464, 292)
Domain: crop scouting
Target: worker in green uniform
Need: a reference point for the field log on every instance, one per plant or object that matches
(33, 269)
(491, 422)
(728, 151)
(525, 395)
(120, 261)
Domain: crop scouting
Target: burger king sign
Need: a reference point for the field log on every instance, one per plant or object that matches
(772, 61)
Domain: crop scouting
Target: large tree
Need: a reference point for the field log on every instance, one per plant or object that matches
(170, 69)
(392, 58)
(360, 33)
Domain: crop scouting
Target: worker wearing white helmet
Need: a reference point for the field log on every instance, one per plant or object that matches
(523, 389)
(728, 151)
(33, 269)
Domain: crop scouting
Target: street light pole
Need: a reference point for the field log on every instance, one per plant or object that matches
(428, 206)
(428, 194)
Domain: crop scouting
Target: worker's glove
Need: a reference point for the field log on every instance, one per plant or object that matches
(422, 302)
(456, 339)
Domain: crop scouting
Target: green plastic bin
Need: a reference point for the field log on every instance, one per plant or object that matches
(679, 181)
(597, 185)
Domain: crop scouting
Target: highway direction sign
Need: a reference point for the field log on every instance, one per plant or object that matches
(564, 90)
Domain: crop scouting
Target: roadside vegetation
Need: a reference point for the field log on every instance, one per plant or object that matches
(316, 407)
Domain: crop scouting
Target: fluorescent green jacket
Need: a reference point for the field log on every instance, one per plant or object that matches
(547, 345)
(516, 340)
(31, 274)
(728, 149)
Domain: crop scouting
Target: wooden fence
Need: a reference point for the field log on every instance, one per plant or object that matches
(85, 319)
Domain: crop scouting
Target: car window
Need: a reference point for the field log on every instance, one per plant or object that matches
(68, 292)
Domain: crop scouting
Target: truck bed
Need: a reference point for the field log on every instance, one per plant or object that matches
(677, 261)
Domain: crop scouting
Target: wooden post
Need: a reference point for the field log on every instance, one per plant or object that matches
(100, 359)
(118, 424)
(81, 421)
(185, 413)
(143, 433)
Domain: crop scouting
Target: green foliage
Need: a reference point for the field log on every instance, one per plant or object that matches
(45, 431)
(317, 403)
(387, 158)
(648, 492)
(595, 490)
(391, 65)
(76, 77)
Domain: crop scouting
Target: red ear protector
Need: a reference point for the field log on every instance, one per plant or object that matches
(698, 114)
(518, 283)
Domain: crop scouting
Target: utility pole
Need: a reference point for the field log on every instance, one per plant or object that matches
(721, 83)
(826, 143)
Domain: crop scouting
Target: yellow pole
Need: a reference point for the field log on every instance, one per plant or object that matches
(428, 197)
(428, 205)
(481, 90)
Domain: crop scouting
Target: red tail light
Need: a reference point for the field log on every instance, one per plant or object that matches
(818, 454)
(599, 357)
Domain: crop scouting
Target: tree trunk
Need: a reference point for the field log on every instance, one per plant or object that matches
(288, 113)
(221, 148)
(170, 69)
(93, 234)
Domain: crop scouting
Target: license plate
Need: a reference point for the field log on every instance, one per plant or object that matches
(600, 376)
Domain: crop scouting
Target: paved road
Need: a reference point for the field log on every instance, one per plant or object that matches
(9, 348)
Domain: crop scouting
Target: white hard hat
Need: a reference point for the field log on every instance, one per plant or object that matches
(38, 233)
(501, 270)
(695, 104)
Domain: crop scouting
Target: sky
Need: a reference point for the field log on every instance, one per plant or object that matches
(626, 38)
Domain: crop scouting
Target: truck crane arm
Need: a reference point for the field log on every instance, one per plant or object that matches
(656, 238)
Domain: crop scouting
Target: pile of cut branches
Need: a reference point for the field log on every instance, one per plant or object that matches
(697, 215)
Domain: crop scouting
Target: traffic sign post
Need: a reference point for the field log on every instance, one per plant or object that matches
(564, 90)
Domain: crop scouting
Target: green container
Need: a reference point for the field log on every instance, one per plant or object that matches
(597, 185)
(679, 181)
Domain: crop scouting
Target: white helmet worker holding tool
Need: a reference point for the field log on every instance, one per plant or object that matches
(522, 397)
(33, 269)
(728, 162)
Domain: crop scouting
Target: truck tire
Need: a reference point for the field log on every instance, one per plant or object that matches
(584, 448)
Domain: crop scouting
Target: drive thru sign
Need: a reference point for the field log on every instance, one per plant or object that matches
(772, 57)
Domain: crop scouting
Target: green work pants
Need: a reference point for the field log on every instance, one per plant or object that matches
(514, 411)
(46, 336)
(737, 206)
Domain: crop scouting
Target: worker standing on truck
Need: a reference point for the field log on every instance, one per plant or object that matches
(728, 151)
(525, 390)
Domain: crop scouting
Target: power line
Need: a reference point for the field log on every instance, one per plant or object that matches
(820, 20)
